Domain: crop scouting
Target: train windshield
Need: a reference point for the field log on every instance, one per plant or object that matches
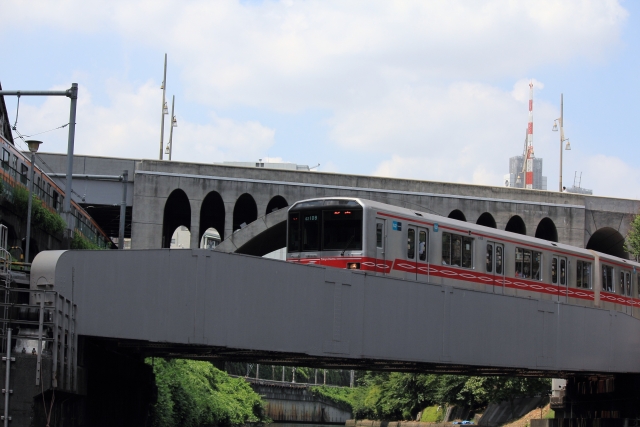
(328, 226)
(341, 230)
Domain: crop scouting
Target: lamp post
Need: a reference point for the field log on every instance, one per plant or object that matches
(174, 124)
(164, 105)
(33, 147)
(562, 138)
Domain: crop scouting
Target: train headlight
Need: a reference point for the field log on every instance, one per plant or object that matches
(353, 266)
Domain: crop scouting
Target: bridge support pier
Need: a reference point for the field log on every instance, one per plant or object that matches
(596, 400)
(114, 388)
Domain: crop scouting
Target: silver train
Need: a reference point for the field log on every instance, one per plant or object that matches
(385, 240)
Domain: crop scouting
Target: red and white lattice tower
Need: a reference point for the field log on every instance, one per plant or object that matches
(528, 155)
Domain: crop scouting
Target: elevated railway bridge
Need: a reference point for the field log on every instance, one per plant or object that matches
(103, 312)
(165, 195)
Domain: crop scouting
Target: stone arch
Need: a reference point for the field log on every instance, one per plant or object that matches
(547, 230)
(457, 214)
(608, 241)
(516, 225)
(276, 202)
(245, 211)
(177, 212)
(212, 214)
(487, 220)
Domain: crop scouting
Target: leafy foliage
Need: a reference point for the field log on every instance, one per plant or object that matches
(79, 242)
(340, 395)
(632, 243)
(433, 414)
(41, 217)
(194, 393)
(400, 396)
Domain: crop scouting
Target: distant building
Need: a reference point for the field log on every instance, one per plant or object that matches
(181, 238)
(267, 165)
(579, 190)
(516, 179)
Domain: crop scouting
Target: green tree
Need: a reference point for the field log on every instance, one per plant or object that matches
(41, 217)
(400, 396)
(195, 393)
(632, 244)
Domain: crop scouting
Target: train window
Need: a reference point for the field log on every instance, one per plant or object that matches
(411, 243)
(422, 245)
(498, 259)
(622, 287)
(379, 235)
(5, 156)
(519, 262)
(489, 257)
(310, 229)
(467, 251)
(554, 271)
(583, 274)
(563, 272)
(536, 262)
(342, 229)
(446, 248)
(24, 169)
(628, 280)
(294, 229)
(607, 278)
(528, 264)
(457, 250)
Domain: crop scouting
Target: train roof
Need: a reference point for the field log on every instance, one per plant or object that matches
(421, 216)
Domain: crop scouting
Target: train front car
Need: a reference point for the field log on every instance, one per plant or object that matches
(327, 232)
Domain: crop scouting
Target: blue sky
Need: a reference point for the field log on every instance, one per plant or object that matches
(427, 90)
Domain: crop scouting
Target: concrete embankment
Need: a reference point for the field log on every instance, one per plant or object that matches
(372, 423)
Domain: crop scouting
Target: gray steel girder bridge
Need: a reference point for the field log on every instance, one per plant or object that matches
(210, 305)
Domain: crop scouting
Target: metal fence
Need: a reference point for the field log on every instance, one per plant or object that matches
(47, 321)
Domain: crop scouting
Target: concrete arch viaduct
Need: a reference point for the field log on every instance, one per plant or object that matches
(198, 196)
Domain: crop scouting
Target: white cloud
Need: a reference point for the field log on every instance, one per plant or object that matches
(309, 54)
(464, 133)
(129, 126)
(609, 176)
(410, 81)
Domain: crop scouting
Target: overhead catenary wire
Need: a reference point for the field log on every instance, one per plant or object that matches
(22, 137)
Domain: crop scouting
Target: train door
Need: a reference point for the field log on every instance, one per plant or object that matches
(625, 291)
(381, 243)
(423, 255)
(411, 255)
(559, 276)
(494, 266)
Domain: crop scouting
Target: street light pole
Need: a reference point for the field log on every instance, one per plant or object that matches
(164, 90)
(72, 94)
(173, 124)
(33, 147)
(560, 121)
(561, 139)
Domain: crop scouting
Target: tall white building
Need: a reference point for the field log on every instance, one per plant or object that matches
(515, 178)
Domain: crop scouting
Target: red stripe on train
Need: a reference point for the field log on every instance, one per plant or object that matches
(378, 265)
